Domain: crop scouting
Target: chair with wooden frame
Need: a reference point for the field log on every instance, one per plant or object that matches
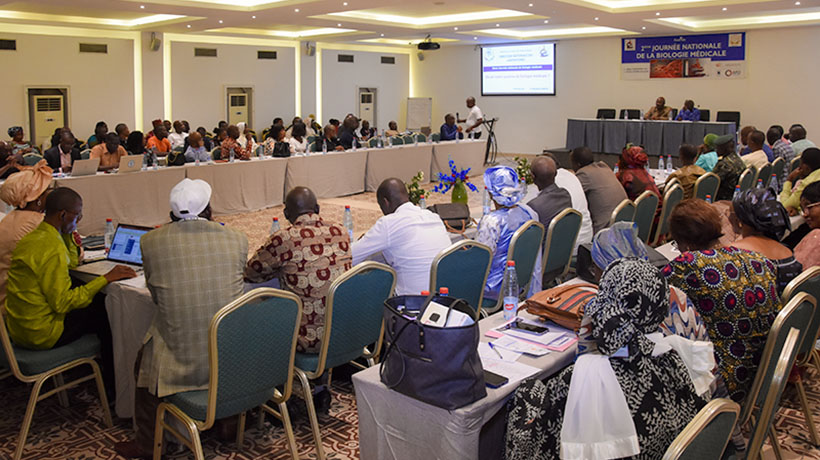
(764, 173)
(705, 436)
(778, 167)
(671, 198)
(646, 206)
(463, 269)
(747, 178)
(707, 184)
(624, 212)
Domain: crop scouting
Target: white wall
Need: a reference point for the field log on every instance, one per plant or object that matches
(781, 87)
(340, 80)
(198, 83)
(101, 86)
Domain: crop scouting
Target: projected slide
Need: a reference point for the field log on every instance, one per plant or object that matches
(518, 69)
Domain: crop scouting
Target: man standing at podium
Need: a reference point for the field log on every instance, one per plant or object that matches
(474, 119)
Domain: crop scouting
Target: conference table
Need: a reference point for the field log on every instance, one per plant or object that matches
(330, 175)
(465, 154)
(656, 136)
(401, 161)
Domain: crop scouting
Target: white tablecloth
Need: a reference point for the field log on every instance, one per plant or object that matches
(331, 175)
(465, 154)
(393, 426)
(403, 162)
(243, 186)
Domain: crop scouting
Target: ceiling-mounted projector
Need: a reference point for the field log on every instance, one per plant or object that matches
(427, 44)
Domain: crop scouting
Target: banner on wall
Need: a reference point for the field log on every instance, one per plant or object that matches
(716, 56)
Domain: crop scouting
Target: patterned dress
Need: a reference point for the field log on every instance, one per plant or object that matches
(306, 257)
(735, 292)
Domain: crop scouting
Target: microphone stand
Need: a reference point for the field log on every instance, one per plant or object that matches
(491, 151)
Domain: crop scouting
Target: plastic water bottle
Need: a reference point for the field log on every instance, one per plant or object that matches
(485, 201)
(422, 202)
(737, 192)
(231, 158)
(661, 168)
(430, 139)
(415, 140)
(510, 291)
(324, 147)
(709, 199)
(154, 159)
(457, 137)
(380, 142)
(615, 169)
(760, 183)
(109, 234)
(348, 222)
(274, 226)
(443, 291)
(390, 141)
(353, 144)
(773, 184)
(669, 167)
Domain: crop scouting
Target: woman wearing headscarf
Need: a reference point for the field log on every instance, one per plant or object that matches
(763, 222)
(245, 137)
(807, 251)
(496, 229)
(633, 175)
(135, 144)
(621, 241)
(18, 145)
(734, 291)
(26, 191)
(629, 392)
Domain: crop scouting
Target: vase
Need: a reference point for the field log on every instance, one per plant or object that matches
(459, 194)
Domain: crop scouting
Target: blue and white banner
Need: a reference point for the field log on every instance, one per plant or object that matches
(684, 56)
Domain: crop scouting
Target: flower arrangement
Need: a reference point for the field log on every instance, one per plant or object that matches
(414, 189)
(458, 181)
(523, 170)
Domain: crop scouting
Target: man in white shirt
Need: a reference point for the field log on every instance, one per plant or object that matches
(408, 237)
(177, 138)
(474, 119)
(567, 181)
(757, 157)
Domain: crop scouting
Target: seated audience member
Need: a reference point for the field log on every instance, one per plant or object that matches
(109, 152)
(159, 141)
(755, 156)
(168, 125)
(221, 135)
(221, 125)
(707, 157)
(275, 145)
(196, 149)
(298, 139)
(750, 148)
(347, 134)
(744, 139)
(122, 131)
(633, 175)
(174, 356)
(26, 191)
(336, 123)
(100, 130)
(306, 257)
(206, 139)
(289, 129)
(734, 291)
(366, 132)
(315, 127)
(64, 154)
(602, 188)
(688, 173)
(246, 136)
(780, 147)
(450, 130)
(329, 138)
(660, 111)
(807, 251)
(567, 181)
(230, 144)
(154, 125)
(43, 311)
(729, 167)
(392, 129)
(177, 138)
(135, 145)
(496, 229)
(551, 419)
(10, 163)
(621, 241)
(688, 112)
(797, 137)
(18, 145)
(551, 199)
(408, 237)
(763, 222)
(807, 173)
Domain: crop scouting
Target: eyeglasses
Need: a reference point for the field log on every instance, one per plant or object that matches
(805, 209)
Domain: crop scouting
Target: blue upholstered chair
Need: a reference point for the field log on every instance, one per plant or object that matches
(794, 164)
(707, 184)
(216, 153)
(706, 435)
(525, 246)
(747, 178)
(408, 139)
(463, 269)
(645, 208)
(31, 159)
(671, 198)
(30, 366)
(85, 154)
(765, 173)
(373, 142)
(559, 243)
(421, 137)
(624, 212)
(353, 321)
(251, 346)
(397, 140)
(436, 137)
(778, 167)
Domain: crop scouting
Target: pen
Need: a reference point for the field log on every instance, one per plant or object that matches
(493, 349)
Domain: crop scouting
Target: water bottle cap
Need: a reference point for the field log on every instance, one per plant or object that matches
(511, 263)
(425, 293)
(347, 206)
(443, 291)
(276, 219)
(737, 186)
(708, 197)
(108, 220)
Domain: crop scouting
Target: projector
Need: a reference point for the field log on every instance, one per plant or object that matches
(424, 46)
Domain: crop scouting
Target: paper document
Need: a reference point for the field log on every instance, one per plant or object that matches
(511, 343)
(514, 371)
(484, 350)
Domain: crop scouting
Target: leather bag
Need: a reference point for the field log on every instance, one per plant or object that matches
(456, 216)
(563, 305)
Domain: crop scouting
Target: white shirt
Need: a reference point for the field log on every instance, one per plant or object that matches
(472, 117)
(296, 146)
(177, 139)
(758, 159)
(567, 181)
(409, 239)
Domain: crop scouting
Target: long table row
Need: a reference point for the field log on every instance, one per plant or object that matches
(245, 186)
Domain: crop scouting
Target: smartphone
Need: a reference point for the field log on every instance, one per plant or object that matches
(494, 380)
(527, 327)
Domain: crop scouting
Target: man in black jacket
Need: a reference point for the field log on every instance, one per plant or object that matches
(63, 154)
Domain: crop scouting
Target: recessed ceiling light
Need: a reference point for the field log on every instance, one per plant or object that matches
(498, 25)
(344, 4)
(142, 7)
(643, 28)
(296, 10)
(724, 8)
(220, 21)
(189, 26)
(253, 17)
(530, 5)
(596, 18)
(658, 13)
(382, 35)
(455, 28)
(546, 21)
(797, 3)
(339, 25)
(475, 38)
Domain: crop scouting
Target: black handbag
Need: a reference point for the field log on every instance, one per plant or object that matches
(456, 216)
(439, 366)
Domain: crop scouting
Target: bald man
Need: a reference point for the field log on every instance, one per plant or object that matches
(306, 257)
(551, 199)
(474, 119)
(660, 111)
(408, 237)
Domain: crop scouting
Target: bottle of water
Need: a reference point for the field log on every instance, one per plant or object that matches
(615, 169)
(154, 159)
(510, 291)
(443, 291)
(430, 139)
(773, 184)
(274, 226)
(709, 199)
(109, 234)
(196, 161)
(669, 167)
(737, 192)
(380, 141)
(324, 147)
(422, 202)
(348, 222)
(458, 135)
(231, 158)
(390, 141)
(353, 144)
(485, 201)
(760, 183)
(415, 140)
(661, 168)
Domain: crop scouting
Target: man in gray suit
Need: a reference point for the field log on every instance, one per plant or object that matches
(193, 268)
(551, 199)
(603, 190)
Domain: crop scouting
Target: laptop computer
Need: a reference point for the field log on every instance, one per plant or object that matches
(130, 163)
(125, 250)
(85, 167)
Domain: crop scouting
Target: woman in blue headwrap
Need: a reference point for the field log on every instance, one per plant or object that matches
(497, 228)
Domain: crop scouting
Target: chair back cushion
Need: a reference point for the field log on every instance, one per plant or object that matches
(707, 435)
(765, 173)
(561, 237)
(673, 196)
(747, 179)
(524, 249)
(808, 282)
(645, 208)
(463, 271)
(707, 184)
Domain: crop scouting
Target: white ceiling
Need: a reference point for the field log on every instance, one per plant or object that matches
(401, 22)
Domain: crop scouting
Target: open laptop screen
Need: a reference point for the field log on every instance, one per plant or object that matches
(126, 245)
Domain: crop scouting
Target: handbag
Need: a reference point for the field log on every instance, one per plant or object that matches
(436, 365)
(563, 305)
(456, 216)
